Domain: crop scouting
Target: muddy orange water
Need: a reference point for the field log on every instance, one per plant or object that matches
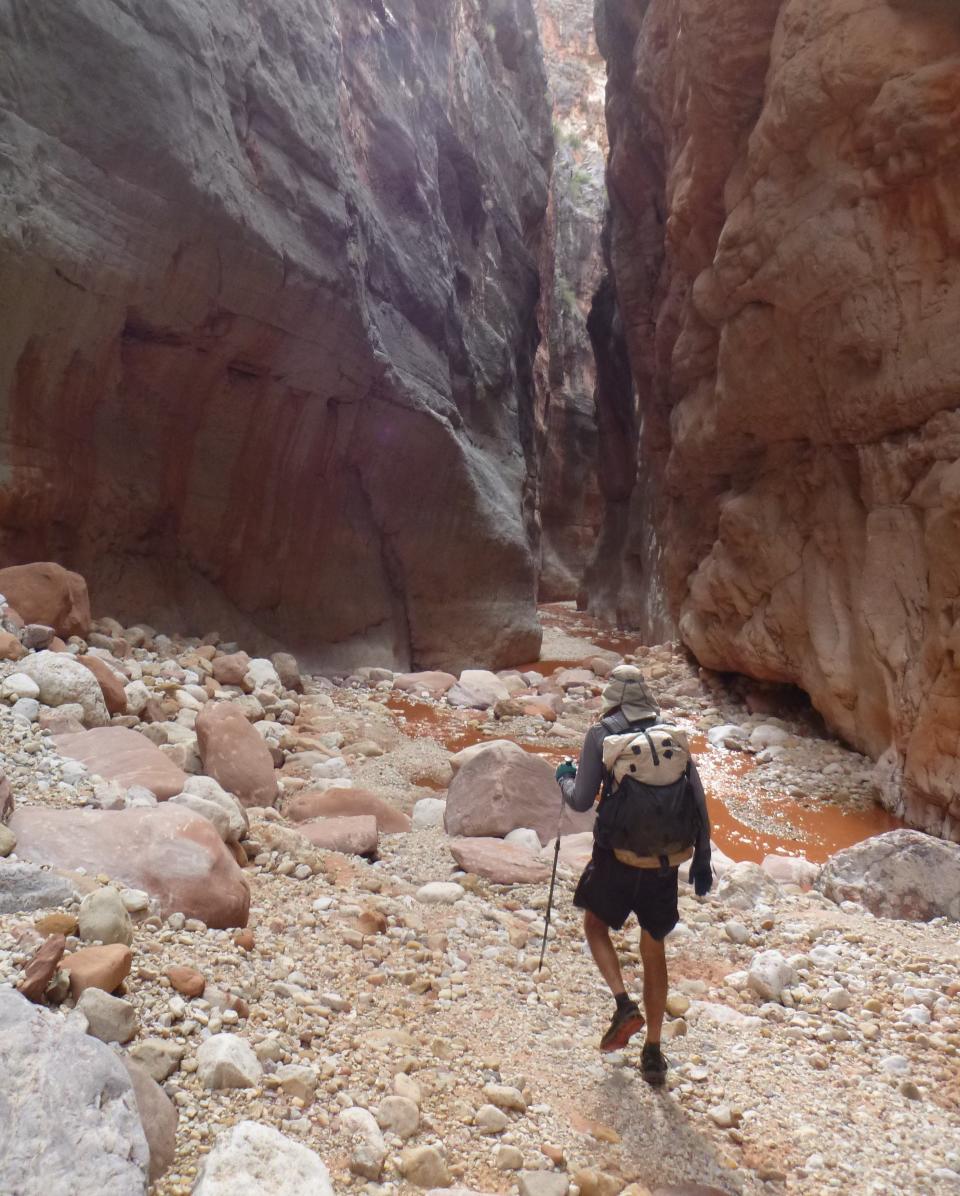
(771, 823)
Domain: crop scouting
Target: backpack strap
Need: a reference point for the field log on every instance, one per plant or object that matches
(618, 724)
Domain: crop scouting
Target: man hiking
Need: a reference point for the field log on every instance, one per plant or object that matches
(652, 817)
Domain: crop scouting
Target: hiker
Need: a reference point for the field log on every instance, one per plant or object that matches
(664, 824)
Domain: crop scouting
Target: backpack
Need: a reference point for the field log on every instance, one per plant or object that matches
(647, 804)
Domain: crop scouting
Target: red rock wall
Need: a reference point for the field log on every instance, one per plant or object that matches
(268, 279)
(786, 246)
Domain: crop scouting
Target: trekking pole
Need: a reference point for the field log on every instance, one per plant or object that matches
(553, 880)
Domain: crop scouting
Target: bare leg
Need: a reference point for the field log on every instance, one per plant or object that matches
(654, 958)
(604, 955)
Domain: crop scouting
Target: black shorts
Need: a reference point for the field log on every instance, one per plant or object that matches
(613, 891)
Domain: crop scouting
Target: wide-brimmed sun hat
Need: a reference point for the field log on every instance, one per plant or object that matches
(627, 690)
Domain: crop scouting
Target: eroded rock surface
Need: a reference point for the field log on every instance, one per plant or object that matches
(278, 278)
(783, 179)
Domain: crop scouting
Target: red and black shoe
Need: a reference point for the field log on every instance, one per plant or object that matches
(653, 1066)
(626, 1022)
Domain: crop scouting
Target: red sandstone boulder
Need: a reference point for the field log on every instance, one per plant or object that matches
(123, 755)
(158, 1116)
(10, 647)
(174, 855)
(351, 836)
(47, 593)
(236, 755)
(231, 670)
(502, 788)
(112, 684)
(502, 863)
(98, 967)
(331, 803)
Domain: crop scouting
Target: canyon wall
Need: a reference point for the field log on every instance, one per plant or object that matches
(785, 239)
(570, 499)
(268, 292)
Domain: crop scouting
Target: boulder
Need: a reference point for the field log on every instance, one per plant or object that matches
(368, 1150)
(42, 967)
(235, 754)
(255, 1160)
(17, 686)
(746, 886)
(110, 1019)
(126, 756)
(351, 836)
(44, 592)
(575, 851)
(330, 803)
(176, 857)
(430, 684)
(25, 887)
(104, 968)
(231, 669)
(261, 675)
(499, 862)
(227, 1061)
(212, 791)
(6, 799)
(769, 974)
(288, 670)
(11, 647)
(159, 1057)
(465, 755)
(64, 682)
(791, 870)
(158, 1116)
(478, 689)
(214, 814)
(901, 874)
(70, 1121)
(104, 918)
(428, 812)
(112, 684)
(503, 788)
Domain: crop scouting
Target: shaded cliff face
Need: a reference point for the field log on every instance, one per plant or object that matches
(570, 501)
(269, 278)
(786, 245)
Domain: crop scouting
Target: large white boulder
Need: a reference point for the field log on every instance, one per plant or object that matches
(901, 874)
(747, 886)
(252, 1159)
(226, 1061)
(69, 1118)
(478, 689)
(62, 681)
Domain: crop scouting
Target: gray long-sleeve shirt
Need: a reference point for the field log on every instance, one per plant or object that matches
(581, 792)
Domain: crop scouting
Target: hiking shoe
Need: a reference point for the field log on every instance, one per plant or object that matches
(626, 1022)
(653, 1066)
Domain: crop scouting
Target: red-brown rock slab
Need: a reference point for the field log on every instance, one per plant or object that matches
(187, 981)
(352, 836)
(231, 670)
(10, 647)
(120, 754)
(44, 592)
(175, 856)
(236, 755)
(112, 684)
(499, 862)
(347, 803)
(158, 1116)
(98, 967)
(41, 969)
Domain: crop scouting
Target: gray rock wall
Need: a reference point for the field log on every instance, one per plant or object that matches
(268, 280)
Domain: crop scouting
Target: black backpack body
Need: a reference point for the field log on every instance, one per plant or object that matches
(645, 807)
